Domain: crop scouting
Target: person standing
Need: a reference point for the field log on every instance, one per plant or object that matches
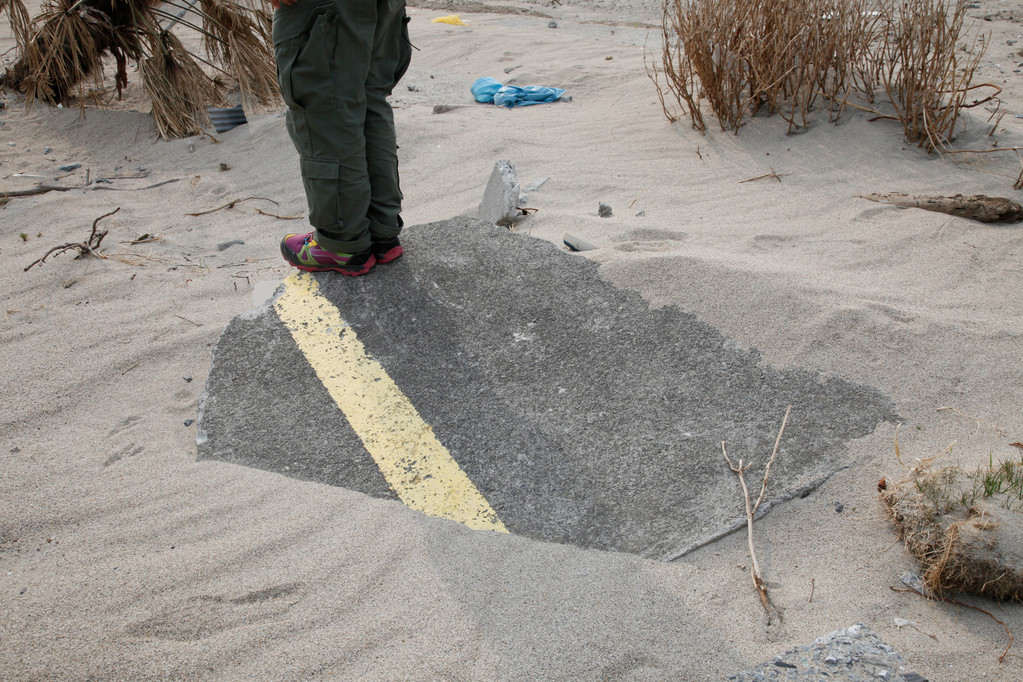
(337, 62)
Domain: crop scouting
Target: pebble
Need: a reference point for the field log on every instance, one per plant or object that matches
(187, 378)
(67, 168)
(603, 210)
(12, 144)
(47, 150)
(839, 507)
(189, 422)
(552, 24)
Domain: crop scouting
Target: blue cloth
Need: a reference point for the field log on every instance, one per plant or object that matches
(489, 91)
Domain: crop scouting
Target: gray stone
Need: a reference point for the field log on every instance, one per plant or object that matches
(501, 197)
(552, 24)
(67, 168)
(855, 653)
(603, 210)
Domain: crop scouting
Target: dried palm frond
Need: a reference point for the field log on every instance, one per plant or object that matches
(64, 51)
(19, 19)
(65, 45)
(239, 36)
(178, 87)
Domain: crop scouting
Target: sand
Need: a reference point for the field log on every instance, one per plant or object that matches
(123, 558)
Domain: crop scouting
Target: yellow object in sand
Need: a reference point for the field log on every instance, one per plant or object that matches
(452, 19)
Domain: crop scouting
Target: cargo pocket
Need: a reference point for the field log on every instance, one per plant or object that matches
(321, 190)
(303, 51)
(405, 55)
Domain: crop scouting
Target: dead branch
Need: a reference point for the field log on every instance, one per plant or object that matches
(751, 510)
(136, 189)
(89, 247)
(279, 217)
(978, 207)
(38, 189)
(232, 204)
(43, 189)
(773, 174)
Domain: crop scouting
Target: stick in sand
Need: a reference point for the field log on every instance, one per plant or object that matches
(751, 510)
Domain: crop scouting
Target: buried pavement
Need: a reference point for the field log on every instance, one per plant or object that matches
(579, 413)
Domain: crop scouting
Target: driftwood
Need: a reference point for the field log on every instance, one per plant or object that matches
(975, 207)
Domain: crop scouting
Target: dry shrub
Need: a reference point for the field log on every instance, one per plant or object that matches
(966, 533)
(926, 79)
(742, 56)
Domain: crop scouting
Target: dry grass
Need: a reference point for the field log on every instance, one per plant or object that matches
(744, 56)
(964, 527)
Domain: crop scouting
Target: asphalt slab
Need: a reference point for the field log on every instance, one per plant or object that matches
(581, 414)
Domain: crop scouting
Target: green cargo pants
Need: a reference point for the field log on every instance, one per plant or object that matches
(337, 61)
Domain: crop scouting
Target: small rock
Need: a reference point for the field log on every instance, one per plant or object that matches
(15, 450)
(839, 507)
(67, 168)
(577, 244)
(224, 167)
(603, 210)
(412, 88)
(641, 214)
(187, 378)
(47, 150)
(191, 148)
(509, 69)
(12, 144)
(189, 422)
(224, 246)
(552, 24)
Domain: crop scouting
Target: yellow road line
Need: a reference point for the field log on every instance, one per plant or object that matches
(416, 465)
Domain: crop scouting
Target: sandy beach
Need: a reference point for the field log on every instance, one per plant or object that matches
(124, 558)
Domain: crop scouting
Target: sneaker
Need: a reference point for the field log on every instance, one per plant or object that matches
(387, 250)
(302, 251)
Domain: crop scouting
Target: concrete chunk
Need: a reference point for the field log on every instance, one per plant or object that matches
(501, 198)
